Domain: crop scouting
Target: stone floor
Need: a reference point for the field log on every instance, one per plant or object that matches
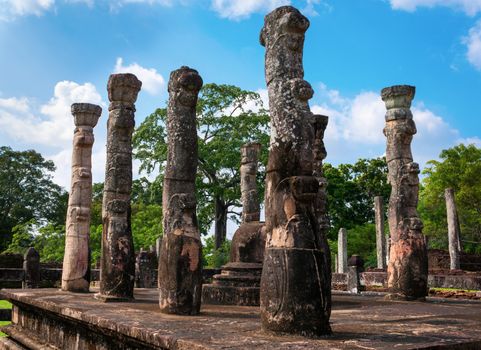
(358, 322)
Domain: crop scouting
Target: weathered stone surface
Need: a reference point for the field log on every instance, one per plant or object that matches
(342, 250)
(31, 269)
(118, 257)
(380, 236)
(76, 262)
(180, 262)
(454, 230)
(146, 264)
(408, 263)
(295, 285)
(80, 322)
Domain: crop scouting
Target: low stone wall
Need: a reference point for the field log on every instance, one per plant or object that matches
(439, 259)
(470, 281)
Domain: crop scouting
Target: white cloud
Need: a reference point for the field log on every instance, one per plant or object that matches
(470, 7)
(470, 141)
(11, 9)
(355, 127)
(53, 126)
(473, 44)
(50, 125)
(239, 9)
(152, 82)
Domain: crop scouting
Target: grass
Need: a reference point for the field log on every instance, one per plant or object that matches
(5, 304)
(454, 290)
(3, 323)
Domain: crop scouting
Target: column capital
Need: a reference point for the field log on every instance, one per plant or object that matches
(123, 87)
(85, 114)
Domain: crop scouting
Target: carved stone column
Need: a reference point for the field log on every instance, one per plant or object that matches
(408, 263)
(180, 265)
(76, 262)
(117, 268)
(453, 230)
(295, 291)
(380, 236)
(251, 210)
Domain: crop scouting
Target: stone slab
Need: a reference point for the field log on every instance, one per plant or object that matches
(358, 322)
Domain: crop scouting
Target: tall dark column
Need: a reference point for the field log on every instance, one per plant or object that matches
(295, 290)
(117, 268)
(180, 262)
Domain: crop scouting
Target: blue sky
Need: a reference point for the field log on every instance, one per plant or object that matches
(56, 52)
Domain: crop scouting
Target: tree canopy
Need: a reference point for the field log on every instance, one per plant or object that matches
(27, 192)
(459, 168)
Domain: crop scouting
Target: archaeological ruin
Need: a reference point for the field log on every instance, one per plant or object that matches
(280, 289)
(76, 264)
(118, 260)
(180, 268)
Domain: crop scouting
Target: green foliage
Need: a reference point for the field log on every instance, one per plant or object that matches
(215, 258)
(459, 168)
(95, 244)
(225, 121)
(361, 240)
(146, 224)
(27, 192)
(50, 243)
(351, 190)
(22, 237)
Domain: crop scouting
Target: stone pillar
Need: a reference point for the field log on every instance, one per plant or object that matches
(388, 248)
(295, 288)
(342, 250)
(355, 267)
(251, 210)
(76, 261)
(117, 267)
(158, 245)
(31, 269)
(453, 229)
(380, 237)
(408, 263)
(180, 265)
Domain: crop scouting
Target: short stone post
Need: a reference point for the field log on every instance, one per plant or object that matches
(180, 265)
(76, 261)
(453, 229)
(295, 284)
(158, 245)
(355, 267)
(117, 267)
(146, 269)
(408, 263)
(31, 269)
(342, 250)
(380, 237)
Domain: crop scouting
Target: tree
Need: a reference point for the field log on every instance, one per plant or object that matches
(27, 192)
(225, 121)
(459, 167)
(351, 190)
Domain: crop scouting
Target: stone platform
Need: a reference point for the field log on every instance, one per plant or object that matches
(78, 321)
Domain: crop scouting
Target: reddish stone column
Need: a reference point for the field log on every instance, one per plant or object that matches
(76, 262)
(295, 290)
(180, 262)
(408, 263)
(117, 267)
